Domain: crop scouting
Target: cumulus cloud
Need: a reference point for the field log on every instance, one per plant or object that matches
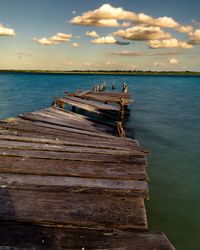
(194, 37)
(111, 63)
(160, 64)
(69, 63)
(125, 24)
(55, 39)
(108, 16)
(142, 33)
(92, 34)
(75, 45)
(173, 60)
(169, 43)
(105, 40)
(5, 31)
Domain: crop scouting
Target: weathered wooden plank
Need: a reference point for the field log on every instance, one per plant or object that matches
(123, 188)
(43, 154)
(22, 122)
(74, 209)
(97, 96)
(109, 94)
(95, 104)
(23, 137)
(97, 120)
(44, 131)
(66, 116)
(97, 170)
(80, 118)
(26, 145)
(59, 125)
(16, 236)
(46, 136)
(75, 123)
(67, 123)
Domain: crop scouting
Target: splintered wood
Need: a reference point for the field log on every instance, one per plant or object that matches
(74, 174)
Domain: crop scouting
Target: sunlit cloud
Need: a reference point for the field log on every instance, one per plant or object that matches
(173, 61)
(105, 40)
(92, 34)
(142, 33)
(111, 63)
(105, 16)
(108, 16)
(125, 24)
(55, 39)
(75, 45)
(194, 37)
(160, 64)
(169, 43)
(69, 63)
(5, 31)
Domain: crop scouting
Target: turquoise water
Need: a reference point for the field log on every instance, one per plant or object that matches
(165, 118)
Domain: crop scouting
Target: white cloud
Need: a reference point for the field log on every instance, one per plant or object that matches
(4, 31)
(90, 64)
(173, 61)
(125, 24)
(142, 33)
(160, 64)
(105, 40)
(69, 63)
(111, 63)
(194, 37)
(61, 37)
(169, 43)
(44, 41)
(55, 39)
(92, 34)
(75, 45)
(108, 16)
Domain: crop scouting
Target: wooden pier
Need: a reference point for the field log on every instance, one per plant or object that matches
(73, 181)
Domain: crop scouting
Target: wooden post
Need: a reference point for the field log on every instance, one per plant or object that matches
(59, 103)
(121, 115)
(113, 85)
(125, 88)
(120, 129)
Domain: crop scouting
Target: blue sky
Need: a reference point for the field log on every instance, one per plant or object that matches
(67, 35)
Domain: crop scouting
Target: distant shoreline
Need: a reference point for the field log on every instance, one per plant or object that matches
(98, 72)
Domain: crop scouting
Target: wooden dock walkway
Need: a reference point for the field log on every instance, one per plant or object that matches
(68, 181)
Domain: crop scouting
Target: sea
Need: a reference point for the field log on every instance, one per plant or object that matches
(165, 118)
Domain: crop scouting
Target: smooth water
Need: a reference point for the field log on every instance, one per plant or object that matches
(165, 118)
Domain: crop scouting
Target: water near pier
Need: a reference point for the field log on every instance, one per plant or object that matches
(165, 118)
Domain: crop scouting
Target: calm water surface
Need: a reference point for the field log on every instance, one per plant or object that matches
(165, 118)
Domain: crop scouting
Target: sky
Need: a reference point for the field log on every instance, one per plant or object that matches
(100, 35)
